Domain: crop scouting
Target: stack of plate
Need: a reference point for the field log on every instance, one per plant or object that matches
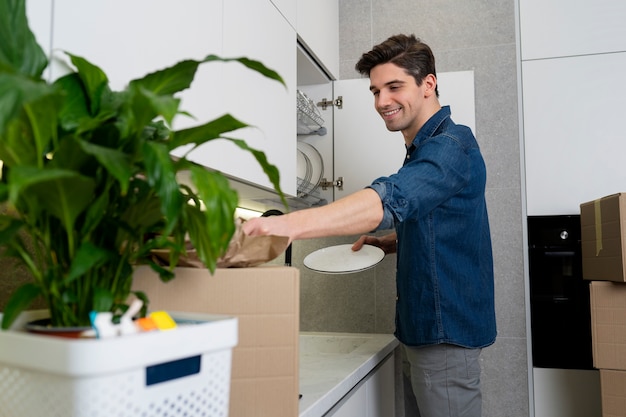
(310, 169)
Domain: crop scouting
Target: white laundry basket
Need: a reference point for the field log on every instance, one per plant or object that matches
(175, 373)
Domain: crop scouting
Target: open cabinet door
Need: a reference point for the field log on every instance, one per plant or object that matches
(364, 149)
(357, 147)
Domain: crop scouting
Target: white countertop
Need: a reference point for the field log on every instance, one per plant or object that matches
(331, 364)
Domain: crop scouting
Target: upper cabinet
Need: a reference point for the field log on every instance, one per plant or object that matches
(572, 134)
(288, 8)
(558, 28)
(263, 34)
(131, 39)
(318, 31)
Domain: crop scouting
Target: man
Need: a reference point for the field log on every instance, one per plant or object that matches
(436, 204)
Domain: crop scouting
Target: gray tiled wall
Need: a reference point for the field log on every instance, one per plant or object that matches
(474, 35)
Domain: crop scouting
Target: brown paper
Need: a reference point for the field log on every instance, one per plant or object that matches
(243, 251)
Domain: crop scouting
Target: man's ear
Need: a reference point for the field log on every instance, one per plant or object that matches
(430, 84)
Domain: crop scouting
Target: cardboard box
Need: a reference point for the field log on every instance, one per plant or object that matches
(608, 324)
(266, 300)
(603, 238)
(613, 387)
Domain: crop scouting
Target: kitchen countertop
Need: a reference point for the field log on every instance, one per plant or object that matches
(331, 364)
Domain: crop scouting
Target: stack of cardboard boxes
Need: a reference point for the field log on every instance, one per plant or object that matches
(603, 241)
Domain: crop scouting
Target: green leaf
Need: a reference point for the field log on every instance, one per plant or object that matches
(211, 229)
(206, 132)
(169, 80)
(94, 81)
(75, 106)
(252, 64)
(116, 162)
(17, 96)
(161, 175)
(19, 50)
(88, 256)
(102, 299)
(270, 170)
(64, 194)
(21, 299)
(163, 105)
(179, 77)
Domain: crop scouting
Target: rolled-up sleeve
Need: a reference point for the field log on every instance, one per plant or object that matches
(384, 189)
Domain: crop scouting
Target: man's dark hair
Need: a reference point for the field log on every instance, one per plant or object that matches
(405, 51)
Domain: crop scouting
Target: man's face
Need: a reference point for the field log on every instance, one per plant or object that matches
(398, 98)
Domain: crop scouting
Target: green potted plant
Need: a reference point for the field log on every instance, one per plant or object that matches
(88, 183)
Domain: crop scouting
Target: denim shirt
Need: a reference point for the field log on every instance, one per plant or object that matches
(436, 203)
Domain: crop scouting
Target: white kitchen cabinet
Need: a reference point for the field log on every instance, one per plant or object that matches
(318, 31)
(573, 143)
(288, 8)
(263, 34)
(358, 147)
(130, 39)
(374, 396)
(558, 28)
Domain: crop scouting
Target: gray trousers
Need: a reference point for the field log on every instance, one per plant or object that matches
(444, 380)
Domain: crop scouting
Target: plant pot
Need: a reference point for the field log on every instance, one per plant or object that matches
(180, 372)
(42, 326)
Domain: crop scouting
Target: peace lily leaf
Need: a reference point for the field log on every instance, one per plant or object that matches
(20, 300)
(206, 132)
(64, 194)
(169, 80)
(116, 162)
(19, 50)
(270, 170)
(217, 217)
(16, 95)
(87, 257)
(94, 80)
(161, 174)
(75, 107)
(153, 104)
(252, 64)
(102, 299)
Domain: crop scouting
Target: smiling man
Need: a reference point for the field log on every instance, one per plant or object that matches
(436, 206)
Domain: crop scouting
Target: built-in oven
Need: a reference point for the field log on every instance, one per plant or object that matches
(559, 297)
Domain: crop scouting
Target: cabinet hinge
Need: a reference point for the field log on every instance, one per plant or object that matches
(338, 102)
(324, 183)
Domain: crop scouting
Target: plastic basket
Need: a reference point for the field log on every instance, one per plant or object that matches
(181, 372)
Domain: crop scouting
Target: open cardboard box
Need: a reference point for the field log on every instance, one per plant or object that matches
(603, 238)
(266, 301)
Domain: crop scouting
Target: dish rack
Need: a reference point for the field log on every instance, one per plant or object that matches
(310, 122)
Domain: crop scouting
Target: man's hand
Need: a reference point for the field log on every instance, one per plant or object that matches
(387, 243)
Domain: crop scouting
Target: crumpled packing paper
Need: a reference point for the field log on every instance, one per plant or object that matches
(243, 251)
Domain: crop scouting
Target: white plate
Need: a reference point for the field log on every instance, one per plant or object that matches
(310, 167)
(341, 259)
